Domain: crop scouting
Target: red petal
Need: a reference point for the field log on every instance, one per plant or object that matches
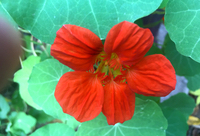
(119, 102)
(80, 94)
(152, 76)
(129, 42)
(76, 47)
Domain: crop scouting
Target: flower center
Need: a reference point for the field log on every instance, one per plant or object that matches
(109, 64)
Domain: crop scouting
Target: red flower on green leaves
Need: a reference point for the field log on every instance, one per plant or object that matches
(106, 77)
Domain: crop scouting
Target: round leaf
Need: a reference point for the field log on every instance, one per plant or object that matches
(44, 17)
(193, 82)
(43, 80)
(182, 22)
(180, 102)
(184, 66)
(22, 76)
(177, 125)
(147, 119)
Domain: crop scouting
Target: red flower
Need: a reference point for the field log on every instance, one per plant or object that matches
(106, 77)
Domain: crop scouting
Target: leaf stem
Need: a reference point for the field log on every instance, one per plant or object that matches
(30, 51)
(32, 47)
(159, 12)
(24, 31)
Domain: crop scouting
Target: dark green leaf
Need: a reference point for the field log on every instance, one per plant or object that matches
(193, 82)
(155, 99)
(4, 108)
(182, 22)
(184, 66)
(17, 103)
(41, 117)
(147, 120)
(177, 123)
(44, 17)
(55, 129)
(180, 102)
(164, 3)
(154, 50)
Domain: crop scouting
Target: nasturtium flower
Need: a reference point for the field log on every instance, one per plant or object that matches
(106, 77)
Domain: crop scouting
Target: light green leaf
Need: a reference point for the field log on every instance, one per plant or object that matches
(198, 100)
(44, 17)
(147, 120)
(55, 129)
(177, 125)
(22, 76)
(193, 82)
(196, 92)
(22, 122)
(184, 66)
(42, 83)
(182, 22)
(4, 108)
(180, 102)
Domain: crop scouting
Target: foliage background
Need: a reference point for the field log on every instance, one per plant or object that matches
(32, 109)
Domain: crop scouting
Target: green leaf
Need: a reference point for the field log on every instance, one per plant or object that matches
(193, 82)
(184, 66)
(43, 18)
(154, 50)
(4, 108)
(22, 122)
(17, 103)
(41, 116)
(180, 102)
(163, 4)
(55, 129)
(196, 92)
(177, 125)
(147, 119)
(22, 76)
(155, 99)
(42, 83)
(198, 100)
(182, 22)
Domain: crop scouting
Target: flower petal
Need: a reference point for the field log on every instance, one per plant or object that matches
(152, 76)
(80, 94)
(119, 102)
(76, 47)
(129, 42)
